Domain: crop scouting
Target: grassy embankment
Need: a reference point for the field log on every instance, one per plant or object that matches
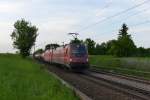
(23, 79)
(137, 66)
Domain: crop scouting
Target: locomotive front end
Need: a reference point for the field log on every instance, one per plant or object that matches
(79, 57)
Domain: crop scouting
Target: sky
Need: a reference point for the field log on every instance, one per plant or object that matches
(56, 18)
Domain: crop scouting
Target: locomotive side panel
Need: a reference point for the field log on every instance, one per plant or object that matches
(58, 55)
(67, 55)
(47, 56)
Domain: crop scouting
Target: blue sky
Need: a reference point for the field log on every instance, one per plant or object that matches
(56, 18)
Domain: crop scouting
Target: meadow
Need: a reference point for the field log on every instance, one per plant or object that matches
(24, 79)
(137, 66)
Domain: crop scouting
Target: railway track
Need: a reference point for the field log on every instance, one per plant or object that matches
(128, 85)
(129, 77)
(99, 87)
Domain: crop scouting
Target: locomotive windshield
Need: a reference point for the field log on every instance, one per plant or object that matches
(78, 50)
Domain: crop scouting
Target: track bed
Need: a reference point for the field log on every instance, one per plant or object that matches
(94, 88)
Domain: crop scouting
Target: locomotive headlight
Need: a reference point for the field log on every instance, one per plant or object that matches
(70, 59)
(87, 59)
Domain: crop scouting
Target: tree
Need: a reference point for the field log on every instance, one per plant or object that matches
(109, 45)
(91, 45)
(114, 48)
(124, 46)
(24, 36)
(143, 52)
(100, 49)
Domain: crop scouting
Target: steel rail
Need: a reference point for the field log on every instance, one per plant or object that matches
(127, 89)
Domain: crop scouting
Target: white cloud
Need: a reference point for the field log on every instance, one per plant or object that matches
(58, 24)
(14, 7)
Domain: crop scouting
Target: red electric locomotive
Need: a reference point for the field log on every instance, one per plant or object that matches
(74, 56)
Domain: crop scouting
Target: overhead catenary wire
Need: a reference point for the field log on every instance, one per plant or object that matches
(141, 23)
(133, 15)
(115, 15)
(130, 16)
(87, 20)
(91, 17)
(131, 26)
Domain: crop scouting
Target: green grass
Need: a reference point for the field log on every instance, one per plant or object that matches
(23, 79)
(137, 66)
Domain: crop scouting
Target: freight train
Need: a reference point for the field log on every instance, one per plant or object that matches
(73, 56)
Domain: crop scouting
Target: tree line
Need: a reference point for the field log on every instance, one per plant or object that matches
(24, 36)
(123, 46)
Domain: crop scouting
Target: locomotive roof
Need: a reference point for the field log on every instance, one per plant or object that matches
(68, 45)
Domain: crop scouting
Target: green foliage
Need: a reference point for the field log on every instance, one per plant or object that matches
(23, 79)
(104, 48)
(110, 46)
(143, 52)
(24, 36)
(90, 45)
(124, 45)
(100, 49)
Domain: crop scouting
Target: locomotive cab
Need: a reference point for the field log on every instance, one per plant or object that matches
(78, 57)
